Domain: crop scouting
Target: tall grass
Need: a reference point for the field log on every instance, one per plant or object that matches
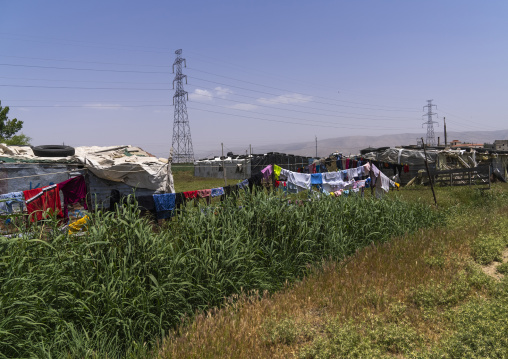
(124, 283)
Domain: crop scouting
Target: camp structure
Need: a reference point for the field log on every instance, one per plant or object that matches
(124, 169)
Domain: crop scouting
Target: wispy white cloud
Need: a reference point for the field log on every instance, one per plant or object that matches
(201, 95)
(206, 95)
(243, 106)
(285, 99)
(104, 106)
(222, 92)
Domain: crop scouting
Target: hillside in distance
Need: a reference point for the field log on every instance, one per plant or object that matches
(353, 144)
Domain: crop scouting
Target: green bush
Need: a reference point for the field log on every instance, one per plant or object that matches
(123, 284)
(503, 268)
(371, 339)
(482, 331)
(285, 331)
(487, 248)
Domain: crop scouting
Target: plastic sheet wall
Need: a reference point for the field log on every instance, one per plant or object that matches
(100, 190)
(237, 169)
(16, 177)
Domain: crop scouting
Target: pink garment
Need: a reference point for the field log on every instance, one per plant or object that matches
(267, 172)
(203, 193)
(338, 193)
(74, 191)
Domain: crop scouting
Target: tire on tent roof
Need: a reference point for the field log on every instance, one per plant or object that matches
(53, 151)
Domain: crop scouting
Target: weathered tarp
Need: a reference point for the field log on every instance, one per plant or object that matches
(135, 171)
(114, 163)
(402, 156)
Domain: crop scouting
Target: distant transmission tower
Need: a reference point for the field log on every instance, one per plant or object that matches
(431, 138)
(182, 142)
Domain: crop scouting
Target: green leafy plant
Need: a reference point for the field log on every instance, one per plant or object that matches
(124, 283)
(487, 248)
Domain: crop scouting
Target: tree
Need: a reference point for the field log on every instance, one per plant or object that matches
(9, 128)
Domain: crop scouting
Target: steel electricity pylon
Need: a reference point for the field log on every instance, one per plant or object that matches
(182, 141)
(431, 137)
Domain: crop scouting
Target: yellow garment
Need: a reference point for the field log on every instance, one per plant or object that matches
(79, 225)
(276, 170)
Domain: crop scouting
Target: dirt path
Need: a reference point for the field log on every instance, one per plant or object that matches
(491, 269)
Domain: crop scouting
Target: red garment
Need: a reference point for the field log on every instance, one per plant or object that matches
(277, 184)
(74, 191)
(347, 163)
(406, 168)
(38, 200)
(190, 194)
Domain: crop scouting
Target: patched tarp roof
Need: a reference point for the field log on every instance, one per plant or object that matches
(127, 164)
(400, 155)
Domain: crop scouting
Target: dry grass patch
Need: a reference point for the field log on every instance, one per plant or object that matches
(389, 299)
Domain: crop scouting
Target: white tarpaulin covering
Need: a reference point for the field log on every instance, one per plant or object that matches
(400, 155)
(119, 163)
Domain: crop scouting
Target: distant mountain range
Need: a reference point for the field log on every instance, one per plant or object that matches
(353, 144)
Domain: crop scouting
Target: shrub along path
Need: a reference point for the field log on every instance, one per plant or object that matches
(417, 296)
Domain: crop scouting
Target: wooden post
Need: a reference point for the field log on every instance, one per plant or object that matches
(224, 166)
(489, 176)
(273, 173)
(428, 173)
(445, 138)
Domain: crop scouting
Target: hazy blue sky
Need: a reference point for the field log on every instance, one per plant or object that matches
(259, 72)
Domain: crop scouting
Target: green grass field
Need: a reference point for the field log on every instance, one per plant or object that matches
(422, 295)
(255, 276)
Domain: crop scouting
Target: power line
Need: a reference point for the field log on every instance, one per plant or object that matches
(291, 98)
(299, 93)
(167, 89)
(87, 88)
(285, 109)
(281, 121)
(84, 69)
(93, 81)
(281, 116)
(84, 62)
(160, 72)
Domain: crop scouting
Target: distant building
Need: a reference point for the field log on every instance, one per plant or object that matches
(501, 145)
(458, 144)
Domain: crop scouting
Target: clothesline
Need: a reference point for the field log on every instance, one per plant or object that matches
(40, 200)
(338, 181)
